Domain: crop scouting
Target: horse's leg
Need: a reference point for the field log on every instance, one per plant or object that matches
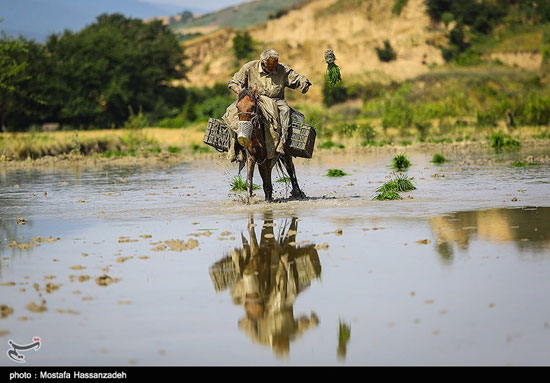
(265, 172)
(250, 162)
(296, 192)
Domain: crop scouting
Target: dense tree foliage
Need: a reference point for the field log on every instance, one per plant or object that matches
(482, 15)
(479, 17)
(12, 74)
(93, 77)
(243, 45)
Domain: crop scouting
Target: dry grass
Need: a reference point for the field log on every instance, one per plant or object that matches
(20, 146)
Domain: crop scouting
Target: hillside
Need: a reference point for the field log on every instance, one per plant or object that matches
(239, 16)
(351, 28)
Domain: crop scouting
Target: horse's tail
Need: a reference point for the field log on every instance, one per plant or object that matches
(280, 167)
(282, 171)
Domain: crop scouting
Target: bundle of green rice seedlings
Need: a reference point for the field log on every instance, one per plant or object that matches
(387, 195)
(238, 184)
(391, 189)
(336, 173)
(400, 162)
(399, 183)
(438, 158)
(333, 75)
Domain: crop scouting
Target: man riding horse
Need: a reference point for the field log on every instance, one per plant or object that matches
(269, 79)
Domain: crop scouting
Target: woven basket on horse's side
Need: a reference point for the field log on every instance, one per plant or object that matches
(301, 142)
(217, 135)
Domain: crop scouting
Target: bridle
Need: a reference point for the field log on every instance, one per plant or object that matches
(255, 116)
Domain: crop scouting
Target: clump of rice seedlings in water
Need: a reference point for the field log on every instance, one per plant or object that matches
(336, 173)
(400, 183)
(239, 185)
(391, 189)
(400, 162)
(438, 159)
(387, 195)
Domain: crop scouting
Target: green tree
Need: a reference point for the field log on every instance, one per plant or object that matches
(92, 77)
(185, 16)
(387, 53)
(243, 46)
(12, 74)
(447, 18)
(114, 64)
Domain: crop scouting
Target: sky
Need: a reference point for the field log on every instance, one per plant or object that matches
(37, 19)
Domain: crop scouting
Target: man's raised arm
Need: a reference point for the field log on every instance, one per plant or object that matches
(294, 80)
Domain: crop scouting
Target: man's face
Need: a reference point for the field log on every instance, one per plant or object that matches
(270, 65)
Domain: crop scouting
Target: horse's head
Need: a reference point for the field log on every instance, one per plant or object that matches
(247, 104)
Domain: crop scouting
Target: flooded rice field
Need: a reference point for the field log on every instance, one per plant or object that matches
(165, 266)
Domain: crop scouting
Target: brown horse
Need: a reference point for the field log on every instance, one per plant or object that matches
(256, 151)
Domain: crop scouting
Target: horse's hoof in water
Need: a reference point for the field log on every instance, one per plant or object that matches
(297, 194)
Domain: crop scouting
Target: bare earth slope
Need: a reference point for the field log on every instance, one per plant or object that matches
(351, 28)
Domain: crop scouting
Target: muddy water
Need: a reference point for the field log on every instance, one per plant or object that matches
(164, 266)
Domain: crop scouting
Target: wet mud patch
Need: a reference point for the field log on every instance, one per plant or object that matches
(37, 307)
(177, 244)
(105, 280)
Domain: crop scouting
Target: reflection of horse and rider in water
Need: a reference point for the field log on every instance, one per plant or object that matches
(266, 277)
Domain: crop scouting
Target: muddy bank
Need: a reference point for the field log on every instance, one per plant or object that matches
(71, 161)
(320, 155)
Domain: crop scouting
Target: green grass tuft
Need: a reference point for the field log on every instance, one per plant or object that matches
(336, 173)
(329, 145)
(196, 148)
(438, 159)
(174, 149)
(400, 162)
(399, 183)
(387, 195)
(521, 164)
(391, 189)
(239, 185)
(502, 141)
(542, 136)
